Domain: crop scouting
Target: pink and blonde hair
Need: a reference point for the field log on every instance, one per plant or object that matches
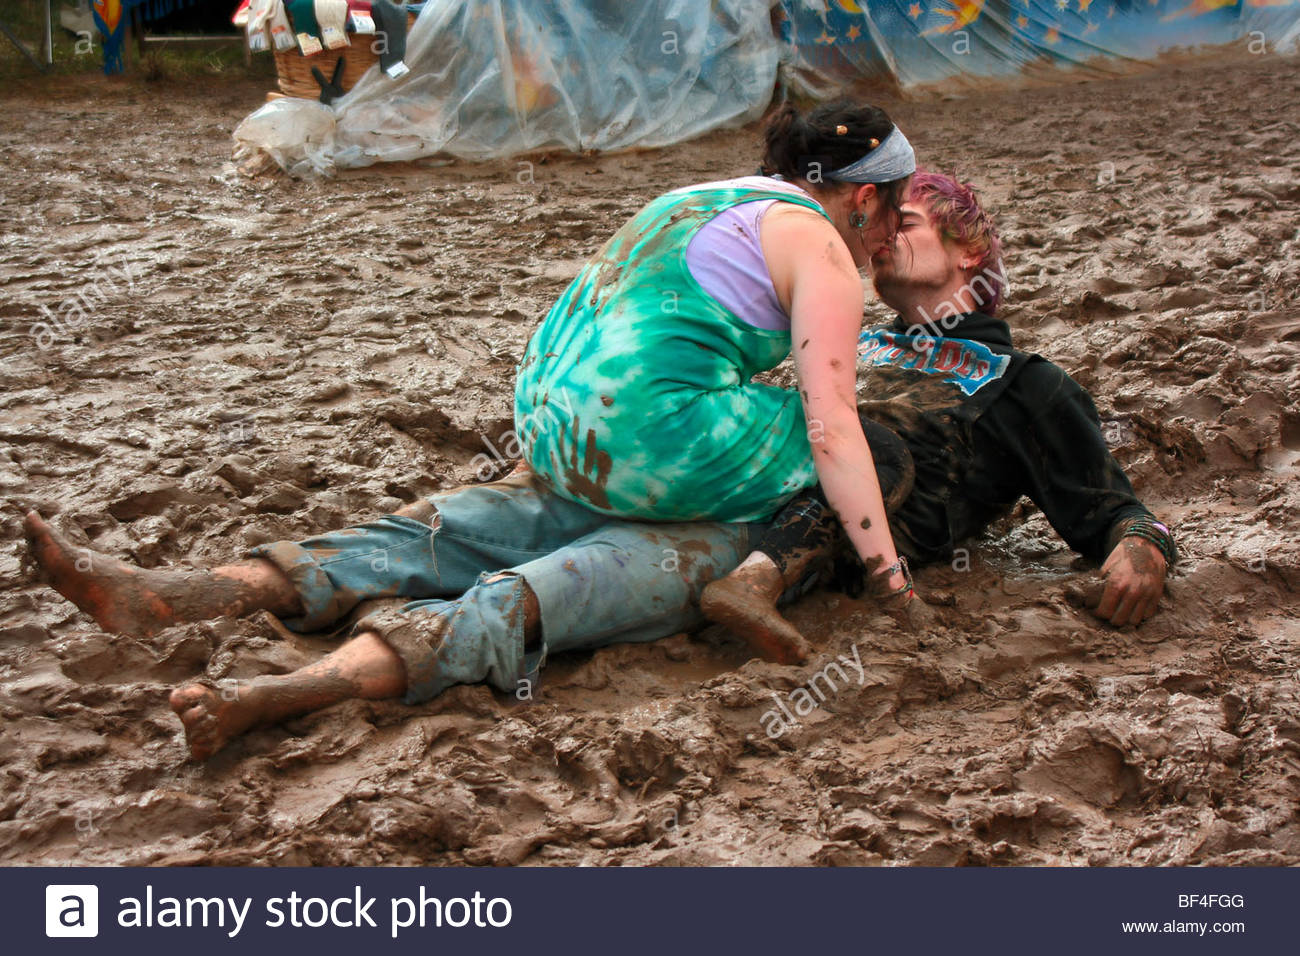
(954, 208)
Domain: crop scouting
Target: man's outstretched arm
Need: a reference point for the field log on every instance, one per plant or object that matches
(1088, 499)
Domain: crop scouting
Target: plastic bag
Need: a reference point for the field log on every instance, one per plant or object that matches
(298, 134)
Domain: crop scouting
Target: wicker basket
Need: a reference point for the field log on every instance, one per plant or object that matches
(294, 69)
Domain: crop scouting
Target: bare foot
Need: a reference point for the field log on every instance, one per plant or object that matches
(111, 591)
(745, 604)
(124, 599)
(212, 718)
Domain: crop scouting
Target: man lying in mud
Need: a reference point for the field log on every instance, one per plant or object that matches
(504, 574)
(961, 426)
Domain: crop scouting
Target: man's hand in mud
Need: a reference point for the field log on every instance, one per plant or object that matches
(1132, 580)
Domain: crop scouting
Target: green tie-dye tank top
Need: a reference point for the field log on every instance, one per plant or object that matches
(634, 396)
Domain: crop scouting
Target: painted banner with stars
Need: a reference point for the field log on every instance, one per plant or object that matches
(918, 42)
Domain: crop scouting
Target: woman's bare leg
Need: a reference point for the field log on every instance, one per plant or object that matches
(124, 599)
(365, 667)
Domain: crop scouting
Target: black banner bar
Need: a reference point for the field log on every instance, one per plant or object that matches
(659, 911)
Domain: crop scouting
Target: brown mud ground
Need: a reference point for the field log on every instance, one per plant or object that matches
(295, 357)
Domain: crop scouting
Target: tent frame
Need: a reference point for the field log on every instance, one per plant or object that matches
(47, 43)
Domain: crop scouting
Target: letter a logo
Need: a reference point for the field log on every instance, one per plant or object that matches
(71, 910)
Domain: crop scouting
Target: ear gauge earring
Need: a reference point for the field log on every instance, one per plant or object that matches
(857, 220)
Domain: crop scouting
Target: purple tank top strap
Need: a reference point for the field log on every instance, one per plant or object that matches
(726, 258)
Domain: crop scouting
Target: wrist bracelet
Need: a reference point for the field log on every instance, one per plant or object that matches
(1157, 534)
(904, 592)
(1146, 536)
(1149, 529)
(895, 568)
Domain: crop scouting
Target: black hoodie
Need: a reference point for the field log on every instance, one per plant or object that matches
(986, 424)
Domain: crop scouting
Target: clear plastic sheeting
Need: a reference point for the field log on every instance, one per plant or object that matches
(494, 78)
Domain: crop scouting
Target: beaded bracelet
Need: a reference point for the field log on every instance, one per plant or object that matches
(903, 592)
(1166, 543)
(1151, 530)
(1154, 539)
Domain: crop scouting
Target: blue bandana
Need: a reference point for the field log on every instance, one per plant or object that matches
(893, 159)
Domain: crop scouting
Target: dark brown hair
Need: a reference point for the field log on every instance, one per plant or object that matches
(802, 144)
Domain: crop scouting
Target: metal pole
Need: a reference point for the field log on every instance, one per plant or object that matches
(18, 45)
(49, 32)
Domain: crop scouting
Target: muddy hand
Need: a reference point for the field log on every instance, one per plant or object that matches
(911, 612)
(1132, 580)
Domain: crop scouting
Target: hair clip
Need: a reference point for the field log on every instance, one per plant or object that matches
(873, 142)
(841, 131)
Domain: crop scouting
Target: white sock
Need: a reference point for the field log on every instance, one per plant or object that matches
(281, 31)
(255, 27)
(332, 15)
